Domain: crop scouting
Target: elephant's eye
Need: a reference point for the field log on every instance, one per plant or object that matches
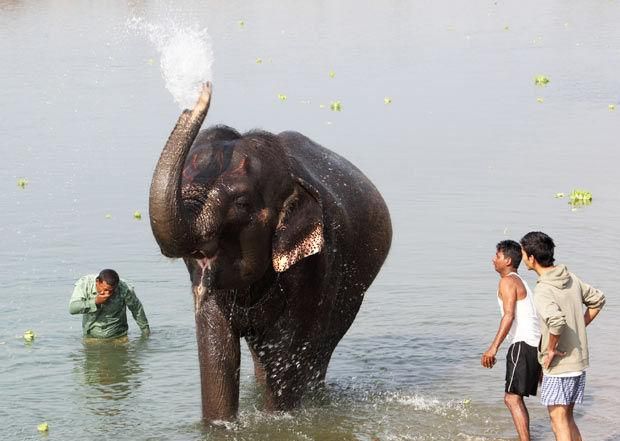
(242, 203)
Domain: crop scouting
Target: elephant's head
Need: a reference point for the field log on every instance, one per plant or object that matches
(231, 204)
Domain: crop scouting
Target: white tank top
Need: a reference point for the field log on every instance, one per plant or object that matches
(525, 327)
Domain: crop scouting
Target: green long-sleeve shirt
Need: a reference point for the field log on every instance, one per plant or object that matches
(110, 318)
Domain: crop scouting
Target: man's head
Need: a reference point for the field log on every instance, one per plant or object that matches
(106, 282)
(537, 249)
(507, 256)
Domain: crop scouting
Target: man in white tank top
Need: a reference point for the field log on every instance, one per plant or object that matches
(520, 323)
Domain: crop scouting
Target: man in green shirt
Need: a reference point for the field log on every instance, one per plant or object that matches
(102, 300)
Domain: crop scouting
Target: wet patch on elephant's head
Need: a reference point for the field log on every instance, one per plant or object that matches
(210, 156)
(204, 165)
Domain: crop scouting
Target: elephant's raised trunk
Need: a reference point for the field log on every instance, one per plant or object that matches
(169, 220)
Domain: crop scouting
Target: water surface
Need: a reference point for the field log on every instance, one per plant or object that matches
(465, 156)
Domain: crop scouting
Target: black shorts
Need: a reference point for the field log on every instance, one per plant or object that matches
(522, 369)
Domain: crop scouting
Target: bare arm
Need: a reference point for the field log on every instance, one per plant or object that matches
(551, 350)
(590, 315)
(508, 294)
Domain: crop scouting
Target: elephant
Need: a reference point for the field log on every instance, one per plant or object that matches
(281, 238)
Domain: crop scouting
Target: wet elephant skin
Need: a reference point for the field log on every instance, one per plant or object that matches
(281, 237)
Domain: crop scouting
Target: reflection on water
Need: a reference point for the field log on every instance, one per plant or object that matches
(110, 370)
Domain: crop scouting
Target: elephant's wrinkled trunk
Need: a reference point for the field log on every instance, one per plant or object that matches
(170, 221)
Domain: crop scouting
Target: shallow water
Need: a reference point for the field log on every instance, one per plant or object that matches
(464, 155)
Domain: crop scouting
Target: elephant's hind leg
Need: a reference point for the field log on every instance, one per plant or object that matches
(259, 370)
(291, 376)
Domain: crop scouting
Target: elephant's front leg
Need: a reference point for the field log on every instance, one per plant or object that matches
(219, 357)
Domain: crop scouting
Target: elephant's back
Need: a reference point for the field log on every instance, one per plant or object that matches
(327, 170)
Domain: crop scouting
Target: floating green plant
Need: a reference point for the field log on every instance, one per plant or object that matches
(259, 61)
(332, 74)
(137, 215)
(43, 427)
(540, 99)
(580, 198)
(241, 23)
(387, 100)
(611, 107)
(541, 80)
(29, 336)
(22, 182)
(336, 106)
(281, 97)
(559, 195)
(108, 216)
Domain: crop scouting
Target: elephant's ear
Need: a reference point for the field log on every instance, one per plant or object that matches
(299, 233)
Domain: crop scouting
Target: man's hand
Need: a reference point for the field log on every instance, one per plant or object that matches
(488, 358)
(551, 354)
(102, 298)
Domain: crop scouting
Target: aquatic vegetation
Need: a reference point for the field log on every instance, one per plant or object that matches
(559, 195)
(387, 100)
(611, 107)
(29, 336)
(540, 99)
(282, 97)
(137, 215)
(108, 216)
(22, 182)
(541, 80)
(43, 427)
(580, 198)
(332, 74)
(466, 401)
(241, 23)
(259, 61)
(336, 106)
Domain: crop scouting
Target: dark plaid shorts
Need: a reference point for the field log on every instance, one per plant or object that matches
(522, 369)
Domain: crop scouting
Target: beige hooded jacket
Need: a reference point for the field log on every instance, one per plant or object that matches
(559, 298)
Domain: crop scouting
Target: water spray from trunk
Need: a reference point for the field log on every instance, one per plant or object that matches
(186, 57)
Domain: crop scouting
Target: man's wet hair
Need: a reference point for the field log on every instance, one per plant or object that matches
(539, 245)
(108, 276)
(511, 249)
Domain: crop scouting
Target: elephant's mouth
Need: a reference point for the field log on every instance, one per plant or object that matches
(209, 269)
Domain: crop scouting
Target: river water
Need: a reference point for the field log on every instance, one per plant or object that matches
(468, 152)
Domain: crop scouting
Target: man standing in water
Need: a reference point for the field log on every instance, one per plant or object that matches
(520, 322)
(563, 351)
(103, 299)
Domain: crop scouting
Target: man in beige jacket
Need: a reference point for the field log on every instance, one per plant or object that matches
(559, 298)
